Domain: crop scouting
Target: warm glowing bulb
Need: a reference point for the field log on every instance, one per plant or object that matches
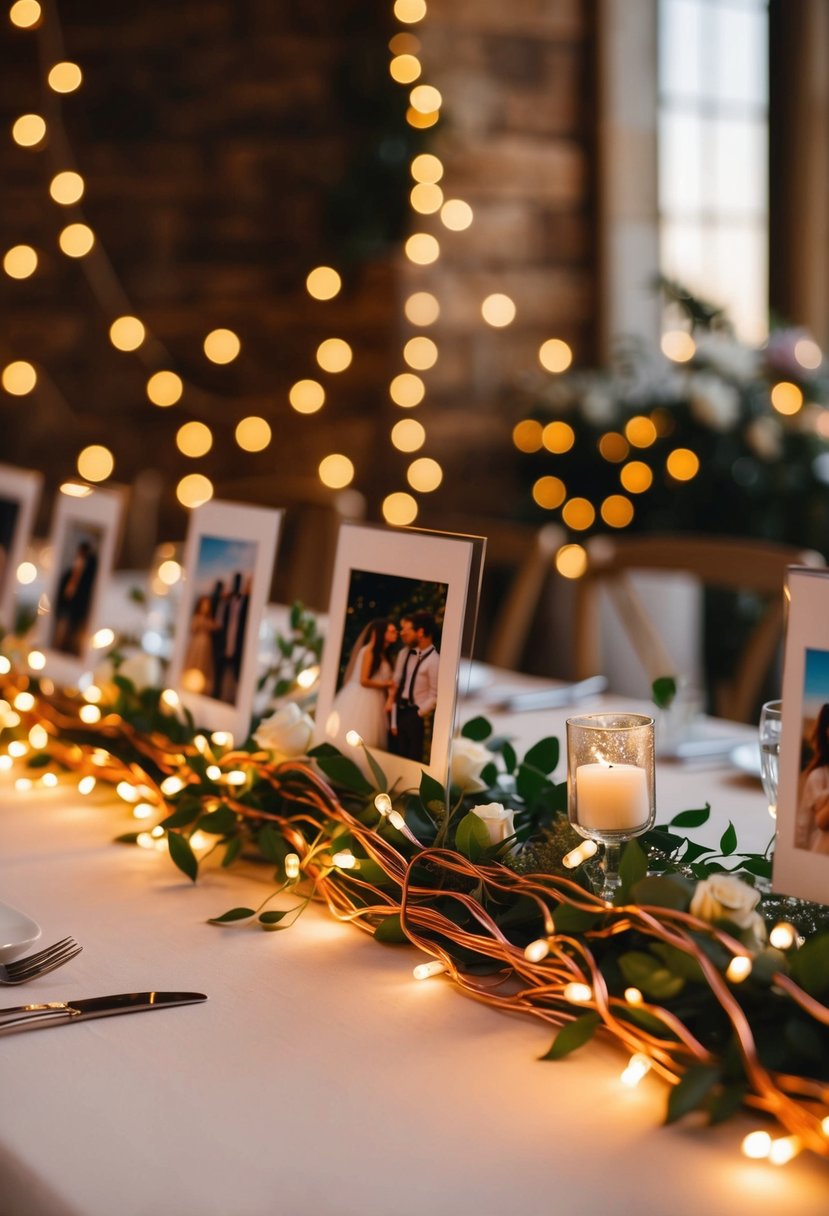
(399, 509)
(92, 694)
(5, 668)
(383, 803)
(336, 471)
(425, 98)
(236, 776)
(423, 971)
(577, 994)
(678, 346)
(17, 748)
(344, 859)
(127, 333)
(558, 437)
(786, 397)
(102, 638)
(24, 701)
(409, 12)
(194, 490)
(64, 77)
(292, 865)
(213, 772)
(784, 1149)
(222, 738)
(571, 561)
(66, 187)
(427, 168)
(408, 435)
(253, 434)
(75, 489)
(19, 378)
(578, 514)
(86, 785)
(498, 310)
(808, 353)
(90, 714)
(405, 68)
(6, 763)
(424, 475)
(549, 492)
(633, 996)
(323, 283)
(636, 477)
(171, 785)
(23, 784)
(169, 572)
(25, 14)
(640, 431)
(76, 240)
(142, 810)
(426, 198)
(456, 214)
(537, 950)
(222, 346)
(127, 791)
(164, 388)
(20, 262)
(783, 936)
(738, 969)
(397, 821)
(95, 463)
(170, 698)
(613, 447)
(526, 435)
(682, 464)
(422, 308)
(307, 396)
(353, 738)
(617, 511)
(638, 1067)
(308, 677)
(422, 248)
(194, 439)
(756, 1145)
(36, 660)
(26, 573)
(334, 355)
(28, 130)
(407, 390)
(421, 353)
(38, 737)
(555, 355)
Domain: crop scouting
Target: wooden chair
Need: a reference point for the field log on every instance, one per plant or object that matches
(716, 562)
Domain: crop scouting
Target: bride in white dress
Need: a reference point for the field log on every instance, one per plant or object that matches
(360, 704)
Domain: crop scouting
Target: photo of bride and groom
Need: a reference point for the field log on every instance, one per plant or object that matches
(389, 685)
(218, 619)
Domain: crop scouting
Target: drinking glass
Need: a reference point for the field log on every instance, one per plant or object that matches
(771, 716)
(610, 784)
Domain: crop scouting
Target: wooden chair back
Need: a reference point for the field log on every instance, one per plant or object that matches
(739, 565)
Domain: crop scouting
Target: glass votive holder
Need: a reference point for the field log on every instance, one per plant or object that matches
(611, 792)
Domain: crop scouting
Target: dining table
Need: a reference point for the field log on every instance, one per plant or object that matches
(320, 1078)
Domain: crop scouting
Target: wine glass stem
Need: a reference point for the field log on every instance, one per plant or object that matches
(610, 866)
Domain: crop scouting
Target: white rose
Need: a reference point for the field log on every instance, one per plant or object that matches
(724, 897)
(497, 820)
(714, 403)
(144, 670)
(468, 760)
(286, 733)
(729, 358)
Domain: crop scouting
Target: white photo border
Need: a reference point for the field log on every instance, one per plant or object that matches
(799, 869)
(104, 509)
(24, 487)
(228, 521)
(433, 557)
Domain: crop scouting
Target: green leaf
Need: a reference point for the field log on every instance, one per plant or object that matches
(726, 1102)
(544, 754)
(127, 838)
(232, 851)
(663, 691)
(810, 965)
(369, 870)
(489, 775)
(432, 793)
(678, 962)
(510, 758)
(270, 843)
(390, 930)
(182, 815)
(274, 916)
(633, 867)
(183, 855)
(761, 866)
(234, 914)
(477, 728)
(568, 919)
(530, 782)
(651, 976)
(471, 836)
(344, 772)
(691, 819)
(220, 822)
(377, 773)
(575, 1034)
(662, 892)
(728, 840)
(692, 1091)
(39, 760)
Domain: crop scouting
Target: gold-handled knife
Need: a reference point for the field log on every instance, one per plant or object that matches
(56, 1013)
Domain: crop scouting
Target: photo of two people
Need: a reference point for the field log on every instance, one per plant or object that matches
(77, 564)
(221, 589)
(9, 515)
(387, 686)
(812, 818)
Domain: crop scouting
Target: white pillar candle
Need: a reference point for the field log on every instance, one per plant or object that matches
(612, 797)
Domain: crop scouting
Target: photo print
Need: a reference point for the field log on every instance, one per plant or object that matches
(228, 564)
(19, 494)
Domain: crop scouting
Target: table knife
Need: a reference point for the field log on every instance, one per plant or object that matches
(55, 1013)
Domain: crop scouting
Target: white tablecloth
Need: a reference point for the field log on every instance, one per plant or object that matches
(321, 1079)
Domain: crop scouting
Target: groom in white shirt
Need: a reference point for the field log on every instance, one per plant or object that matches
(413, 697)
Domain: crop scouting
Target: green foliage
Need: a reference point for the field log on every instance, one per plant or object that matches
(663, 691)
(574, 1035)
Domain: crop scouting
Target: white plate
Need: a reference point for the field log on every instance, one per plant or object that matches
(746, 758)
(17, 933)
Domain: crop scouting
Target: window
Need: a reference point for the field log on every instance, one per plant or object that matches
(713, 154)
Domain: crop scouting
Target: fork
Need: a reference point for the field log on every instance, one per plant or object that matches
(29, 968)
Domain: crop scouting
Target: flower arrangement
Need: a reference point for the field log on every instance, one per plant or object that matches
(693, 971)
(714, 436)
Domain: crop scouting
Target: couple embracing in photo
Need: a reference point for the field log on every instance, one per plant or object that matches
(390, 687)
